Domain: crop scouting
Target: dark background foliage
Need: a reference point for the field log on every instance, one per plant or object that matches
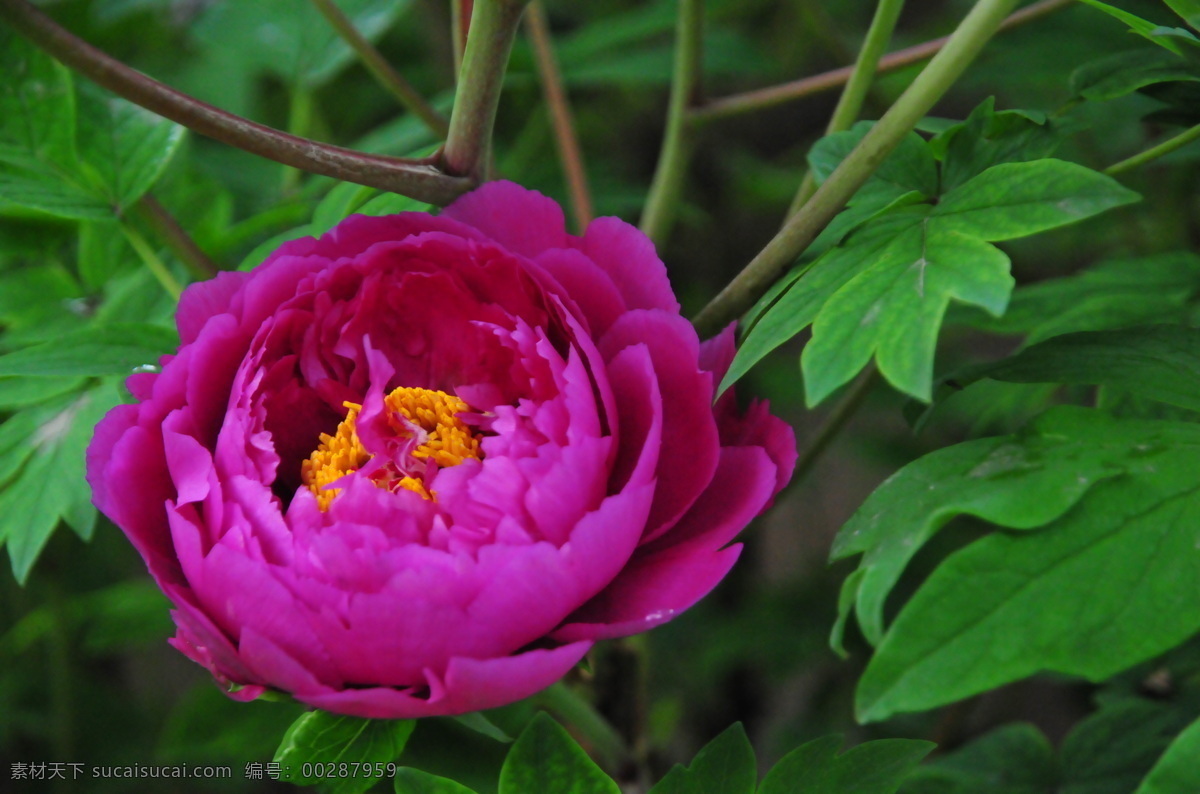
(85, 673)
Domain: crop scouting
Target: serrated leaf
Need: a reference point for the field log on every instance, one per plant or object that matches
(1177, 770)
(910, 167)
(1125, 72)
(414, 781)
(877, 767)
(1014, 759)
(113, 349)
(1116, 293)
(126, 147)
(726, 765)
(322, 739)
(799, 305)
(546, 758)
(49, 482)
(893, 310)
(1161, 362)
(1019, 199)
(989, 137)
(1022, 481)
(1107, 585)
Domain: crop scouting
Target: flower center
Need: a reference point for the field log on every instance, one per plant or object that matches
(429, 418)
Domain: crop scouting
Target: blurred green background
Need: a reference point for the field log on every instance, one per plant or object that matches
(85, 672)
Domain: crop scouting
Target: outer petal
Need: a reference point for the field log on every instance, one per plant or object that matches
(629, 258)
(521, 220)
(469, 685)
(651, 591)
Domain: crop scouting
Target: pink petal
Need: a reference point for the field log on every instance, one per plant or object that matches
(629, 258)
(205, 299)
(521, 220)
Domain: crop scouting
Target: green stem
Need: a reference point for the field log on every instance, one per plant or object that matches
(493, 27)
(803, 227)
(569, 152)
(580, 715)
(1162, 150)
(300, 116)
(834, 422)
(380, 69)
(152, 261)
(850, 105)
(672, 160)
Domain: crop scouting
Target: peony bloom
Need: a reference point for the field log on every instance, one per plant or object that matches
(418, 466)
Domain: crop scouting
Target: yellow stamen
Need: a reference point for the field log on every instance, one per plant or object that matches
(447, 441)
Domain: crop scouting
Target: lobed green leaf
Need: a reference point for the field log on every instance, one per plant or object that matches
(321, 738)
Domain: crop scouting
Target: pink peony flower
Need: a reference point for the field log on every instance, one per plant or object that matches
(418, 466)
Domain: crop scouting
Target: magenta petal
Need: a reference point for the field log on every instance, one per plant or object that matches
(519, 219)
(689, 430)
(651, 591)
(203, 300)
(468, 685)
(629, 258)
(741, 488)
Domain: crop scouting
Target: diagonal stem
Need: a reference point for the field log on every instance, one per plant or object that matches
(672, 160)
(1161, 150)
(416, 178)
(485, 59)
(887, 14)
(165, 226)
(798, 233)
(763, 98)
(569, 152)
(381, 70)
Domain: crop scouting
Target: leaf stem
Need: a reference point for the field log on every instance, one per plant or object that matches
(672, 159)
(565, 136)
(419, 179)
(834, 422)
(580, 715)
(177, 239)
(763, 98)
(485, 58)
(1161, 150)
(381, 70)
(802, 228)
(850, 104)
(152, 261)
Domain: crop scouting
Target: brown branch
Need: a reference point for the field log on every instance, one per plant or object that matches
(763, 98)
(418, 179)
(569, 152)
(381, 70)
(165, 226)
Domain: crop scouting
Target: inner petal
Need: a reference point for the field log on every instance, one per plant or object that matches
(434, 436)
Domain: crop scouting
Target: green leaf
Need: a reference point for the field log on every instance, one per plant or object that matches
(329, 740)
(38, 164)
(414, 781)
(798, 306)
(726, 765)
(1114, 748)
(871, 768)
(911, 167)
(1021, 481)
(1161, 362)
(1116, 293)
(546, 758)
(344, 199)
(288, 39)
(114, 349)
(20, 392)
(1188, 10)
(391, 204)
(894, 308)
(48, 483)
(103, 252)
(1177, 771)
(1110, 583)
(1125, 72)
(126, 146)
(1014, 759)
(1019, 199)
(477, 722)
(988, 138)
(1142, 27)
